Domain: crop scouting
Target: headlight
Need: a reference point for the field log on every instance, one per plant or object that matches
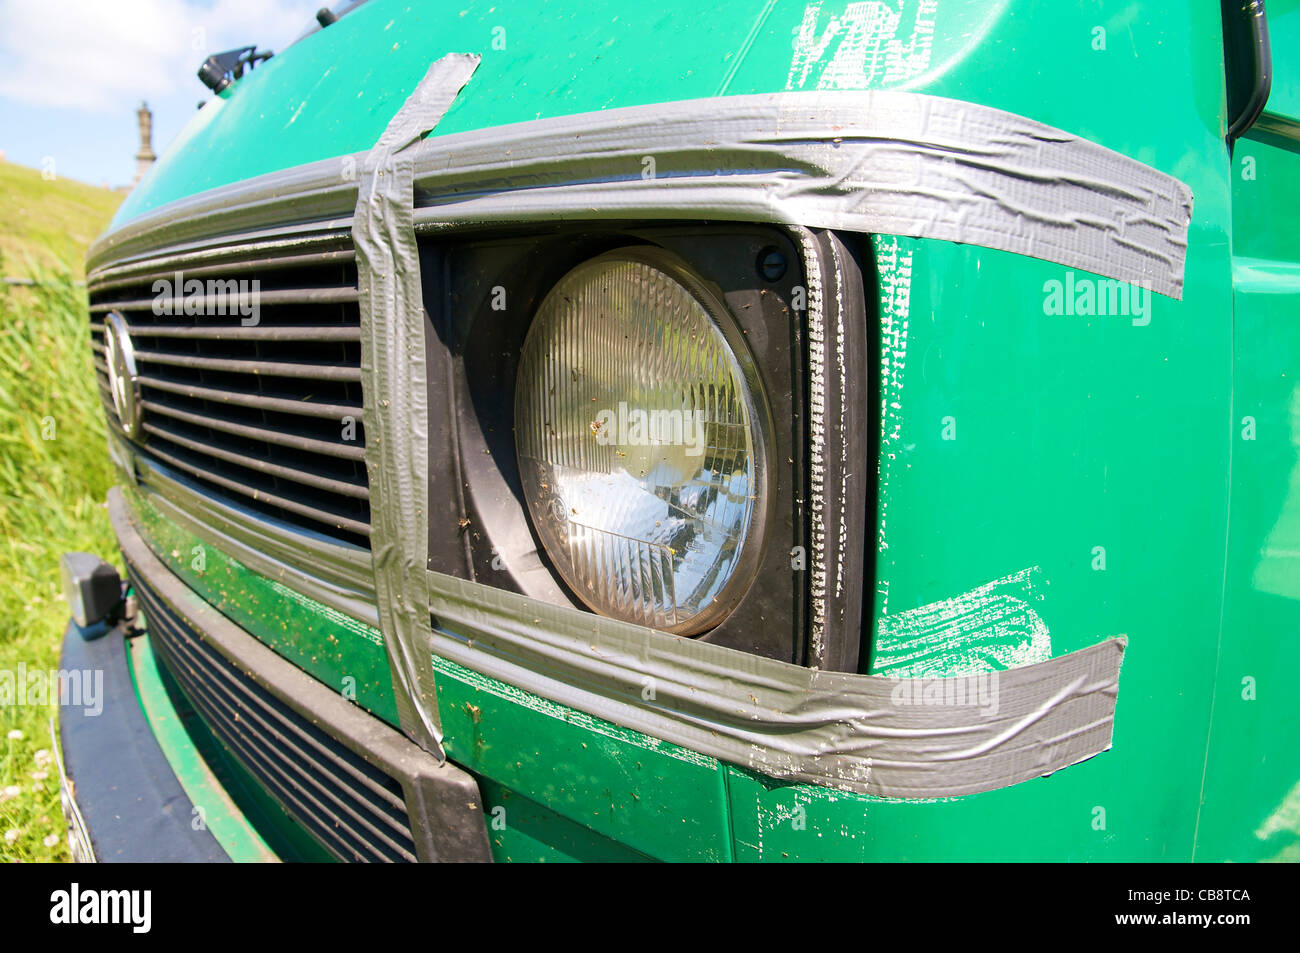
(640, 434)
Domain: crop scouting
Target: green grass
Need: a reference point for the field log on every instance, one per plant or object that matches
(49, 223)
(54, 475)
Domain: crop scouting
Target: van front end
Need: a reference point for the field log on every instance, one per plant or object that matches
(831, 432)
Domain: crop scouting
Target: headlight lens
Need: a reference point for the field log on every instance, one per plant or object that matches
(640, 445)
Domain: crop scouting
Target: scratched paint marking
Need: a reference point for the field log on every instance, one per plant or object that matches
(807, 810)
(991, 628)
(871, 44)
(1284, 821)
(1286, 818)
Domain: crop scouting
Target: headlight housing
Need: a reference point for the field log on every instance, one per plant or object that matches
(640, 430)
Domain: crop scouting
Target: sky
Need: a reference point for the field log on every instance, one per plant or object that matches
(74, 72)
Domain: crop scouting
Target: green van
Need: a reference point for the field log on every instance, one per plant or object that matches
(807, 431)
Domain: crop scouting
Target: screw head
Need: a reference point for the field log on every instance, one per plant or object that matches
(771, 263)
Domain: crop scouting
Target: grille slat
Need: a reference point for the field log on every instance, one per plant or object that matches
(367, 811)
(212, 303)
(270, 413)
(146, 273)
(354, 809)
(256, 333)
(326, 372)
(304, 797)
(252, 463)
(236, 398)
(291, 506)
(346, 451)
(342, 843)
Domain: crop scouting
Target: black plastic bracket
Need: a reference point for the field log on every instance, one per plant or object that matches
(1248, 62)
(221, 69)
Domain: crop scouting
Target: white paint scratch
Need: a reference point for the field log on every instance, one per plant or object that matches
(991, 628)
(894, 267)
(871, 44)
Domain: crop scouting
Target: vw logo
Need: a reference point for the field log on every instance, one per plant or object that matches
(123, 378)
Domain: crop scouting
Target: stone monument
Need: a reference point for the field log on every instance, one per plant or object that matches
(145, 157)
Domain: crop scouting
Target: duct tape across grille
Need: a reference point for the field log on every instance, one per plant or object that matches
(395, 414)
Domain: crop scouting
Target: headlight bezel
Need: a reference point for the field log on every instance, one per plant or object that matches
(482, 287)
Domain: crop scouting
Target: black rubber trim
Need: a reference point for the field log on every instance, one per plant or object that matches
(1247, 51)
(134, 807)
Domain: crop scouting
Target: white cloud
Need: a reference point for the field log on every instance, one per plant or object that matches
(94, 55)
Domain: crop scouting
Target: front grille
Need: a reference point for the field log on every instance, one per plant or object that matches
(350, 807)
(268, 414)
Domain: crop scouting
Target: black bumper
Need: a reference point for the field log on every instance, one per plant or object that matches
(131, 806)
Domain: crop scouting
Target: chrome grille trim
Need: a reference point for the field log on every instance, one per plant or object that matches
(251, 334)
(285, 254)
(329, 411)
(292, 207)
(274, 469)
(327, 372)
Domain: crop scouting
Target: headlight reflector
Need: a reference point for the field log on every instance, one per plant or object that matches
(640, 442)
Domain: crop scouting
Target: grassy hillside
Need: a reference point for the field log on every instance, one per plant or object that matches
(54, 474)
(49, 224)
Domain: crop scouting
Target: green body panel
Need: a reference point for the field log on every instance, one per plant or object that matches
(1284, 37)
(334, 91)
(1251, 805)
(1100, 454)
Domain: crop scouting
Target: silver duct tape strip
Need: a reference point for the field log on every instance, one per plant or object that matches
(897, 738)
(395, 413)
(864, 161)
